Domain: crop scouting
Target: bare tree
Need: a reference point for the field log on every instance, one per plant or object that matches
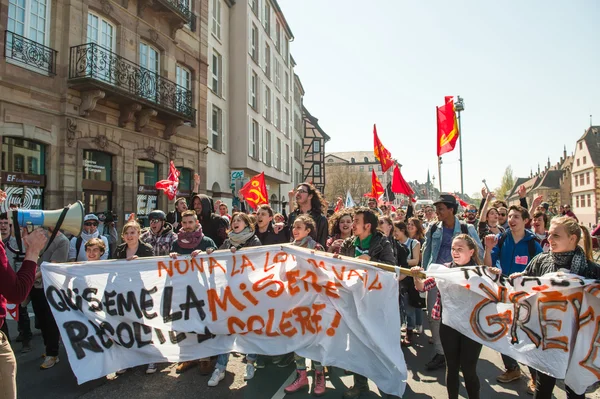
(342, 178)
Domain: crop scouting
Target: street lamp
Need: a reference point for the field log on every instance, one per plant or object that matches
(459, 106)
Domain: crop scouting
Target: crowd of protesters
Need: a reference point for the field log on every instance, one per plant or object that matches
(511, 240)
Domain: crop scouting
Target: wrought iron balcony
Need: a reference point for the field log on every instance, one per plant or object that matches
(29, 53)
(178, 7)
(93, 66)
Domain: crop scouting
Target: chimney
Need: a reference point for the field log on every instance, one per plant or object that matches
(565, 152)
(548, 162)
(538, 173)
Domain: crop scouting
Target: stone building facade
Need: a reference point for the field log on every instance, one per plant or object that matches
(97, 97)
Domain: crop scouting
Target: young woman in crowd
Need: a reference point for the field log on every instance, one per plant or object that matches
(94, 249)
(415, 230)
(302, 229)
(240, 236)
(132, 248)
(410, 298)
(489, 222)
(340, 228)
(462, 353)
(564, 237)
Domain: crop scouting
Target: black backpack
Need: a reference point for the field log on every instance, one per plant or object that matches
(464, 228)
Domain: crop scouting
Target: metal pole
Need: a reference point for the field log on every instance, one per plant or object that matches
(440, 172)
(462, 186)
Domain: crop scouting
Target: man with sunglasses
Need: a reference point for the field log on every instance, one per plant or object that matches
(471, 214)
(90, 230)
(159, 235)
(568, 212)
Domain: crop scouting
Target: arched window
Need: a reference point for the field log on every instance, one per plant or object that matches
(352, 160)
(367, 159)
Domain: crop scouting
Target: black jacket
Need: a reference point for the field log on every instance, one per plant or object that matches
(320, 235)
(380, 250)
(213, 225)
(144, 250)
(251, 242)
(269, 237)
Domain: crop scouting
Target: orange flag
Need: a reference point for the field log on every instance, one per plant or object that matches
(447, 127)
(376, 187)
(381, 153)
(255, 191)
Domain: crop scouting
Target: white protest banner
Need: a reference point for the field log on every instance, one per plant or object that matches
(551, 323)
(265, 300)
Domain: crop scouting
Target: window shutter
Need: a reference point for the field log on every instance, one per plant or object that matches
(224, 127)
(260, 143)
(250, 136)
(209, 123)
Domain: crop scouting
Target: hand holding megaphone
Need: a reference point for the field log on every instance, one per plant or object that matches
(34, 243)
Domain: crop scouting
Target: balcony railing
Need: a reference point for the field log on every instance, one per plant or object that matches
(93, 64)
(29, 53)
(180, 7)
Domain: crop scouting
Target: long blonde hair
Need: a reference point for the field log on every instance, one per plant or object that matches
(573, 228)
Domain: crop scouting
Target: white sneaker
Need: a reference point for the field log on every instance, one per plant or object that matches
(216, 377)
(249, 374)
(151, 368)
(418, 330)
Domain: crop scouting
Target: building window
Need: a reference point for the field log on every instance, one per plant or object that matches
(361, 168)
(217, 73)
(29, 18)
(267, 17)
(267, 148)
(149, 59)
(97, 165)
(254, 6)
(183, 78)
(577, 161)
(268, 60)
(253, 90)
(317, 170)
(267, 111)
(576, 181)
(584, 160)
(577, 201)
(101, 32)
(254, 44)
(370, 168)
(277, 75)
(278, 114)
(286, 123)
(379, 168)
(581, 183)
(253, 140)
(185, 181)
(286, 50)
(19, 163)
(16, 151)
(147, 172)
(217, 128)
(287, 158)
(317, 146)
(352, 160)
(286, 86)
(278, 155)
(580, 145)
(32, 165)
(589, 200)
(216, 18)
(587, 178)
(278, 36)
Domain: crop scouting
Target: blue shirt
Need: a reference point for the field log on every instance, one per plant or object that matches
(445, 254)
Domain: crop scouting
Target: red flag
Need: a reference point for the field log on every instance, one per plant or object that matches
(376, 187)
(255, 191)
(461, 202)
(381, 153)
(339, 205)
(170, 185)
(400, 186)
(447, 127)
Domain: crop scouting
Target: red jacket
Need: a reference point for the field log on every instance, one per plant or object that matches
(14, 287)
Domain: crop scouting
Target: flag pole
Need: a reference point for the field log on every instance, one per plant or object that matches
(440, 171)
(459, 107)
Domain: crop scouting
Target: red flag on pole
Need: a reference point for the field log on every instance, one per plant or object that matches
(339, 205)
(170, 185)
(400, 186)
(447, 127)
(381, 153)
(376, 187)
(460, 201)
(255, 191)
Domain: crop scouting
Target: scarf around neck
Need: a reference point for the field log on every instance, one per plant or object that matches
(86, 237)
(575, 261)
(306, 242)
(189, 240)
(238, 239)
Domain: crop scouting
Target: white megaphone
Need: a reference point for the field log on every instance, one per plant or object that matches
(72, 221)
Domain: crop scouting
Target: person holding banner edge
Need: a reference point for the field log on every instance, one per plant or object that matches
(15, 287)
(369, 244)
(565, 253)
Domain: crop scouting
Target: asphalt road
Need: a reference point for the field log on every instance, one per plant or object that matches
(268, 383)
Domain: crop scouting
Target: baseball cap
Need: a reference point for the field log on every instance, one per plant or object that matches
(91, 216)
(446, 199)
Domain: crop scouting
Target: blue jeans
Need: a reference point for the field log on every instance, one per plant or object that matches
(414, 316)
(223, 359)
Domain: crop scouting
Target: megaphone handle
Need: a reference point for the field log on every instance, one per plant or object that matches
(17, 228)
(55, 229)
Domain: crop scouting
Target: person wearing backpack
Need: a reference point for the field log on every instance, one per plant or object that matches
(438, 249)
(512, 251)
(77, 244)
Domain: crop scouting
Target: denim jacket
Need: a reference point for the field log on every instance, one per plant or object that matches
(431, 248)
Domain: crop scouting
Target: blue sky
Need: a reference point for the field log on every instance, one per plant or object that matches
(529, 73)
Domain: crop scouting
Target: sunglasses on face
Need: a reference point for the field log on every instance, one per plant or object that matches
(471, 211)
(90, 224)
(155, 221)
(302, 191)
(501, 214)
